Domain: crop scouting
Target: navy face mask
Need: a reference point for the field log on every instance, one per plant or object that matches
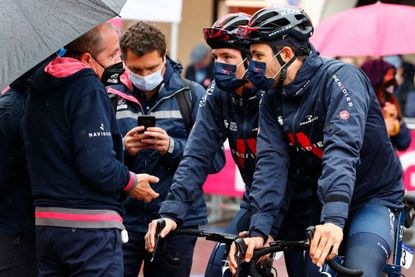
(225, 77)
(256, 75)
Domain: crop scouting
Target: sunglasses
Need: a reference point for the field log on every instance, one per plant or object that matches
(216, 33)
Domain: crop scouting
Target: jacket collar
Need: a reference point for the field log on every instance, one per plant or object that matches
(64, 67)
(304, 75)
(247, 100)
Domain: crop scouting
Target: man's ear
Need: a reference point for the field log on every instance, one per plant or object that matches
(85, 58)
(287, 54)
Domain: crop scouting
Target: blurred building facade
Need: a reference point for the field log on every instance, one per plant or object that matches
(198, 14)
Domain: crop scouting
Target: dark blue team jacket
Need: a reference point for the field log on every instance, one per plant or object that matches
(72, 140)
(330, 116)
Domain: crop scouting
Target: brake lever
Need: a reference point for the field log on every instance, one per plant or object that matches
(309, 232)
(160, 226)
(241, 251)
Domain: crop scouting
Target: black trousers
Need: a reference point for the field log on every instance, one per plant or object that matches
(178, 246)
(17, 256)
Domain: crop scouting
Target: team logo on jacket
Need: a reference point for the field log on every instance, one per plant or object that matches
(232, 126)
(121, 105)
(308, 119)
(279, 119)
(101, 133)
(344, 90)
(344, 115)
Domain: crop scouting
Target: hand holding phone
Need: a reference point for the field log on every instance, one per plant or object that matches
(146, 121)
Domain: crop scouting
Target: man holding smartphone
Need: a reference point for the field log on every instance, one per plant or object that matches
(152, 87)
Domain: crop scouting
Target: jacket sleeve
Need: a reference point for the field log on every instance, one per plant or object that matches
(205, 140)
(10, 123)
(219, 160)
(93, 144)
(348, 95)
(402, 140)
(177, 146)
(270, 178)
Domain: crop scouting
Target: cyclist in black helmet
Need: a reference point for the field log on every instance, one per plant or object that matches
(326, 111)
(228, 111)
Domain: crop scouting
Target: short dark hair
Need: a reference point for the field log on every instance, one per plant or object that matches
(91, 42)
(301, 51)
(142, 38)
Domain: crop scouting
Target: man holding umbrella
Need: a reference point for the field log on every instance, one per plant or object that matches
(74, 154)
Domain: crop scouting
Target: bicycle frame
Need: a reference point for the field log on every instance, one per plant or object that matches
(394, 270)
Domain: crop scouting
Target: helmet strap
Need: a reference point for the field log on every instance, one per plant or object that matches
(284, 67)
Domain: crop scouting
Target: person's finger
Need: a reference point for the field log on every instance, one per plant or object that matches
(152, 194)
(156, 135)
(133, 138)
(156, 129)
(320, 248)
(135, 130)
(149, 142)
(249, 250)
(157, 147)
(133, 149)
(315, 241)
(233, 265)
(133, 144)
(243, 234)
(143, 177)
(153, 179)
(325, 252)
(334, 250)
(147, 239)
(151, 236)
(166, 230)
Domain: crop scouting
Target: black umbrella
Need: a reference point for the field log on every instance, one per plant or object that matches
(33, 29)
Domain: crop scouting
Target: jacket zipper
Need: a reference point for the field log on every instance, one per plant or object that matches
(165, 98)
(297, 144)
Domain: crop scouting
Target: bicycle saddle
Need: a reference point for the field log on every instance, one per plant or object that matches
(409, 199)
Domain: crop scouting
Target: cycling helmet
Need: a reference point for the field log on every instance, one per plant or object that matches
(276, 23)
(224, 32)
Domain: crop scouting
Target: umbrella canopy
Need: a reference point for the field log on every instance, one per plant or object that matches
(373, 30)
(31, 30)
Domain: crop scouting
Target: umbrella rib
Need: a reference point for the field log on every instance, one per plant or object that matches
(108, 7)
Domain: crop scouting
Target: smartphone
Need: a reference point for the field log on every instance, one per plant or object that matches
(146, 121)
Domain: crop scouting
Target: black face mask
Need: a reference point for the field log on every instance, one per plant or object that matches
(112, 74)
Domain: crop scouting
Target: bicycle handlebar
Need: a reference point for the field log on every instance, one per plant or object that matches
(228, 239)
(279, 245)
(225, 238)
